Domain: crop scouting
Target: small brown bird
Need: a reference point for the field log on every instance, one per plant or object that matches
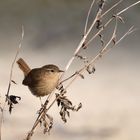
(41, 81)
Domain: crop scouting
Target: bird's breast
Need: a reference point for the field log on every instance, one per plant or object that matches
(44, 86)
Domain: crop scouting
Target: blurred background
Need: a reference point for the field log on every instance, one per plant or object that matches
(53, 29)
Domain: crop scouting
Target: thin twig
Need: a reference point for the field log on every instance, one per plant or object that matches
(75, 75)
(98, 15)
(131, 30)
(68, 78)
(78, 47)
(87, 19)
(115, 5)
(113, 36)
(82, 40)
(101, 53)
(96, 57)
(10, 80)
(12, 66)
(100, 30)
(132, 5)
(109, 21)
(79, 72)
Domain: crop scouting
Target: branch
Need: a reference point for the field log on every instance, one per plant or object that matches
(82, 43)
(101, 53)
(132, 5)
(10, 80)
(87, 19)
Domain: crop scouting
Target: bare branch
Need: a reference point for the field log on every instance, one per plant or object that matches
(109, 21)
(87, 19)
(99, 55)
(84, 41)
(10, 79)
(132, 5)
(12, 66)
(100, 30)
(115, 5)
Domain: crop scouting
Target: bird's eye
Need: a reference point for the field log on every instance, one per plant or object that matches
(52, 70)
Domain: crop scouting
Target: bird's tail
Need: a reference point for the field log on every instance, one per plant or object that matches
(23, 66)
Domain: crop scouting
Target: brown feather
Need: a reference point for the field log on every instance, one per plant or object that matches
(23, 66)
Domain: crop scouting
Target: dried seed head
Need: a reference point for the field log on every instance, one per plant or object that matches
(13, 82)
(66, 105)
(114, 40)
(101, 3)
(61, 88)
(47, 123)
(84, 46)
(101, 39)
(12, 99)
(91, 69)
(99, 24)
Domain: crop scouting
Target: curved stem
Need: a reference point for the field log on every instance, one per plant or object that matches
(10, 79)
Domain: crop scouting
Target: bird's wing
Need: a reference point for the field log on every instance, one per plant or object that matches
(33, 77)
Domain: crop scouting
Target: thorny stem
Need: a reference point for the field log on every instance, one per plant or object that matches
(10, 78)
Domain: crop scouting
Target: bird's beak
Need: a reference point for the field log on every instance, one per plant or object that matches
(61, 71)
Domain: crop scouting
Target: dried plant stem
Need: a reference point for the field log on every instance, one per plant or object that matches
(76, 74)
(117, 42)
(84, 37)
(82, 40)
(115, 5)
(34, 126)
(68, 78)
(132, 5)
(10, 79)
(103, 51)
(96, 57)
(12, 66)
(87, 19)
(99, 55)
(37, 121)
(102, 28)
(98, 15)
(107, 23)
